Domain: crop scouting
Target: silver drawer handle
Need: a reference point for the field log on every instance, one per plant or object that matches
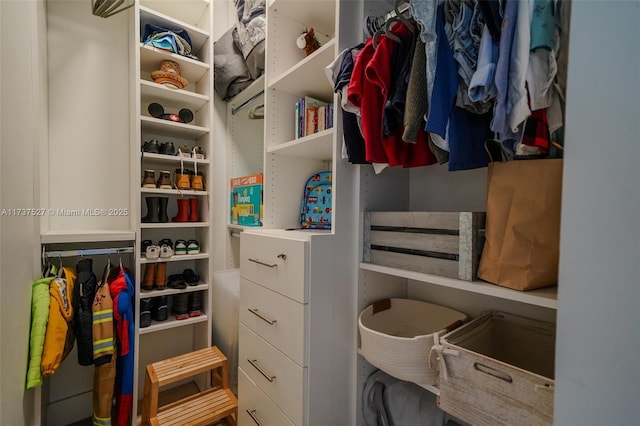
(255, 312)
(282, 256)
(252, 414)
(267, 376)
(260, 262)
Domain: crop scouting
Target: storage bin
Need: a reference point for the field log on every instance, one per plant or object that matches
(397, 334)
(440, 243)
(498, 369)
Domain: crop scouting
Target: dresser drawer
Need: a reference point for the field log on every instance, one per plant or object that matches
(277, 319)
(254, 406)
(276, 263)
(275, 374)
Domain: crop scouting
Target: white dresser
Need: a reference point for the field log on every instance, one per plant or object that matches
(289, 332)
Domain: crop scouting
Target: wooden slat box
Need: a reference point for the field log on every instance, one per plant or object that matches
(498, 369)
(440, 243)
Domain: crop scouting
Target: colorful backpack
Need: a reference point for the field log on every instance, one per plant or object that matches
(317, 202)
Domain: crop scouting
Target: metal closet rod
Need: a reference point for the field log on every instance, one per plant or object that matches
(89, 252)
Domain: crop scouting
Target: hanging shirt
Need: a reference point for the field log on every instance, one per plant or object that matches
(445, 85)
(379, 72)
(416, 103)
(363, 94)
(511, 109)
(482, 87)
(339, 74)
(122, 292)
(59, 337)
(393, 116)
(464, 130)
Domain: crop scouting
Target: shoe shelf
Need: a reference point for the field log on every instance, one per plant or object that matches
(172, 323)
(176, 258)
(169, 291)
(154, 92)
(150, 58)
(172, 225)
(170, 129)
(317, 146)
(196, 18)
(172, 192)
(544, 297)
(173, 159)
(308, 77)
(197, 35)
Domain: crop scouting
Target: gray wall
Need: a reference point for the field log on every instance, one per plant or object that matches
(598, 342)
(23, 124)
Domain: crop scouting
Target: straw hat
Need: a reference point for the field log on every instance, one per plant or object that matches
(169, 75)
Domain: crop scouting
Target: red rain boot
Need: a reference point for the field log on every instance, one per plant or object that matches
(183, 211)
(193, 214)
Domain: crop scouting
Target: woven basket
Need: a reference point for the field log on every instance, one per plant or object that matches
(397, 334)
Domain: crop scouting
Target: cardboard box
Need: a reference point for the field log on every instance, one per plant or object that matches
(246, 200)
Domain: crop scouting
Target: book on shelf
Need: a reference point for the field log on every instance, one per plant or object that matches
(311, 116)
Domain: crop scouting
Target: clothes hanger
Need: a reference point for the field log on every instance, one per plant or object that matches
(120, 257)
(398, 16)
(60, 271)
(106, 272)
(46, 265)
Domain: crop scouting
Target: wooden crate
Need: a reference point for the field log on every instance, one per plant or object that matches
(498, 369)
(440, 243)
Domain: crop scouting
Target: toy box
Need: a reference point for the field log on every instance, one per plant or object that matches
(246, 200)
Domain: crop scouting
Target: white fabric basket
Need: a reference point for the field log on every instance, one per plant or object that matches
(397, 338)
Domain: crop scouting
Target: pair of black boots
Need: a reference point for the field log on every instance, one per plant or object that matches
(186, 305)
(153, 308)
(156, 210)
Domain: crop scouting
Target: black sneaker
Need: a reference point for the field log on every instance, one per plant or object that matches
(176, 281)
(191, 277)
(151, 146)
(145, 312)
(166, 241)
(180, 306)
(159, 310)
(195, 304)
(145, 244)
(167, 148)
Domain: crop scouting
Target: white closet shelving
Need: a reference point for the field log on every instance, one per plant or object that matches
(298, 280)
(194, 16)
(430, 188)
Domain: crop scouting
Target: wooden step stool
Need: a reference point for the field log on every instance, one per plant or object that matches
(203, 408)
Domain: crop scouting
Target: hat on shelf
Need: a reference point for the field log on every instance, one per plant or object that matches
(169, 75)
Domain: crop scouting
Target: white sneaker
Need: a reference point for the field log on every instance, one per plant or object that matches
(165, 251)
(153, 252)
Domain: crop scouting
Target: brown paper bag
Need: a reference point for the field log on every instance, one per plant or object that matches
(523, 224)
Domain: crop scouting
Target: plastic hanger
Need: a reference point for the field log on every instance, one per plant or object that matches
(400, 15)
(46, 265)
(386, 28)
(60, 270)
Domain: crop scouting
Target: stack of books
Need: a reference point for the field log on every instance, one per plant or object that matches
(312, 116)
